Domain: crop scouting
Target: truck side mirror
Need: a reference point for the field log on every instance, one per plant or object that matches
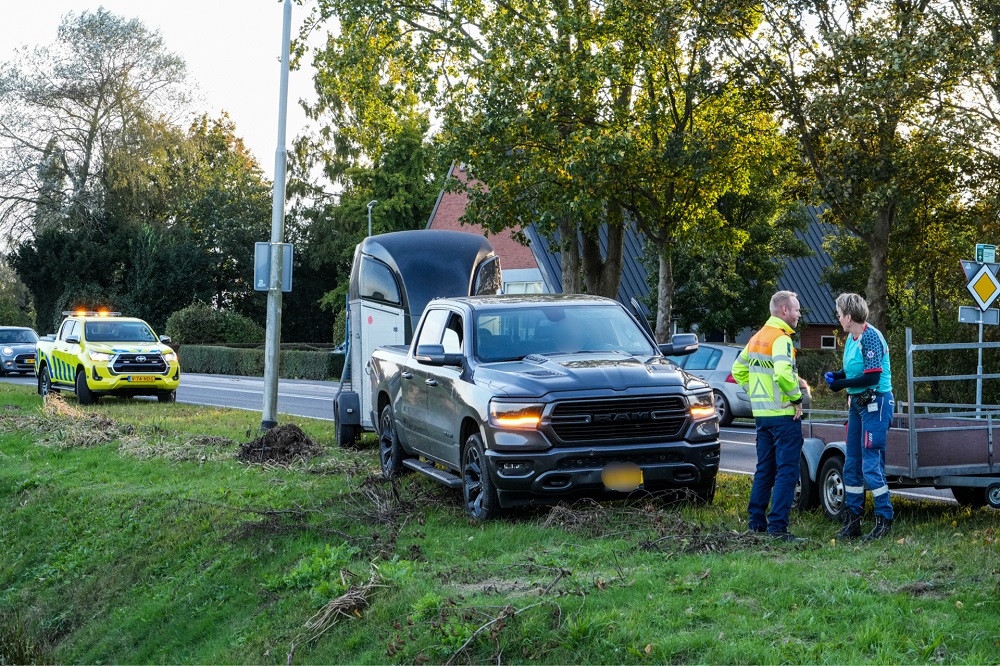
(73, 339)
(681, 344)
(165, 339)
(434, 355)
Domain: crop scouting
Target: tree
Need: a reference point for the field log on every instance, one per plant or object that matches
(15, 300)
(856, 82)
(64, 108)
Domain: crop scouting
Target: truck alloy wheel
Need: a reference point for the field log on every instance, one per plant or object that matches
(390, 453)
(477, 487)
(44, 382)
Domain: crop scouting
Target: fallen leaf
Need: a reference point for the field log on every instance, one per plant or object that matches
(705, 575)
(958, 604)
(901, 541)
(648, 648)
(722, 636)
(923, 552)
(833, 542)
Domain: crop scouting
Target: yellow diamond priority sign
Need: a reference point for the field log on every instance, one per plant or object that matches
(984, 287)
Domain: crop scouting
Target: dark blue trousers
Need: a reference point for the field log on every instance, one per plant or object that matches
(779, 445)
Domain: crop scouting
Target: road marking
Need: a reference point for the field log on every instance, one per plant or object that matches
(894, 491)
(257, 392)
(248, 409)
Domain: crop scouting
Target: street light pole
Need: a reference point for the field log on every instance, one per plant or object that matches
(370, 204)
(272, 337)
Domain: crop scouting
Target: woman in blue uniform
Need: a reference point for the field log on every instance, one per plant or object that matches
(868, 380)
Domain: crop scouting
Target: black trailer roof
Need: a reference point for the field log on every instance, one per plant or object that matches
(428, 263)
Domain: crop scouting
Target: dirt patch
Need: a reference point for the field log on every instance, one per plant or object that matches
(156, 445)
(922, 588)
(282, 445)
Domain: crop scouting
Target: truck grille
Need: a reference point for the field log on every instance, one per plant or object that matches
(125, 364)
(620, 419)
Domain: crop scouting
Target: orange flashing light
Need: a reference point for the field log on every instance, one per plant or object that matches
(517, 421)
(702, 412)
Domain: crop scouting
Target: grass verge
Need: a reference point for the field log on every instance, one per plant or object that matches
(133, 533)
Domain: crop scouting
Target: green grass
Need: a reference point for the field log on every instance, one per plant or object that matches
(128, 539)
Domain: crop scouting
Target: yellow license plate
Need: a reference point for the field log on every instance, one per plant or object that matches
(29, 361)
(623, 477)
(140, 378)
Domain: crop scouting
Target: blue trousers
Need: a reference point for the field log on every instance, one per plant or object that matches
(864, 464)
(779, 445)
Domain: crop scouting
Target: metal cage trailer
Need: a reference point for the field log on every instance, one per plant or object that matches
(938, 445)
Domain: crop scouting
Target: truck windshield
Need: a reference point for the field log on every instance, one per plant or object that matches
(508, 334)
(118, 331)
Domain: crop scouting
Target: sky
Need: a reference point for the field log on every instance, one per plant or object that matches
(232, 49)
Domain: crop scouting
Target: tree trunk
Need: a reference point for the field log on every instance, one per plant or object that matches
(603, 275)
(665, 293)
(877, 291)
(569, 256)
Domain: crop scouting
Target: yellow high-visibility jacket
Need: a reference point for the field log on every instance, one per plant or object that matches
(767, 372)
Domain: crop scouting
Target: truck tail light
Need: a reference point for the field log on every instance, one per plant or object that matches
(515, 414)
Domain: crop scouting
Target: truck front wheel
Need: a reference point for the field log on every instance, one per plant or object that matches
(390, 453)
(83, 393)
(44, 382)
(480, 496)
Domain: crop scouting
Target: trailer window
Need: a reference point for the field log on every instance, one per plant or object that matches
(378, 283)
(488, 280)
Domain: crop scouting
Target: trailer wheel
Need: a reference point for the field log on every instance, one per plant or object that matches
(805, 490)
(347, 434)
(831, 487)
(993, 496)
(968, 496)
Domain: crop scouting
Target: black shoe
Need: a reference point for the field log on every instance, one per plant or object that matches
(787, 537)
(754, 529)
(883, 526)
(852, 525)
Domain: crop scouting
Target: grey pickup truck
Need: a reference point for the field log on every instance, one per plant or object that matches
(522, 400)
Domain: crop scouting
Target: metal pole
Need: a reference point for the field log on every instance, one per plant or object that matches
(272, 338)
(979, 371)
(370, 204)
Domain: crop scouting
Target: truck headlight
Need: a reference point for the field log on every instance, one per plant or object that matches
(100, 357)
(7, 351)
(702, 406)
(524, 415)
(170, 357)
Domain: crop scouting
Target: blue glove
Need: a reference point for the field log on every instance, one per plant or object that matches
(829, 378)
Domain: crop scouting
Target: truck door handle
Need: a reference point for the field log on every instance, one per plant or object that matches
(406, 375)
(431, 382)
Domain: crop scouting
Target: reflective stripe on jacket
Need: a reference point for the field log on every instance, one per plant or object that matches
(767, 372)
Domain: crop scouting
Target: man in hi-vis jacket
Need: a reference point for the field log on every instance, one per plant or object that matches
(766, 370)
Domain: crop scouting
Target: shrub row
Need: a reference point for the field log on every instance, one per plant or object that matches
(292, 364)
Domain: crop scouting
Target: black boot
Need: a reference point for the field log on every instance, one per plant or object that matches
(852, 525)
(883, 526)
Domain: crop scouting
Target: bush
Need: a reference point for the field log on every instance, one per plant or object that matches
(200, 323)
(292, 364)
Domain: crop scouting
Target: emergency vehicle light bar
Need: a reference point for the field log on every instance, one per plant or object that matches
(90, 313)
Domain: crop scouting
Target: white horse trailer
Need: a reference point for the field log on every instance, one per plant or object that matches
(393, 277)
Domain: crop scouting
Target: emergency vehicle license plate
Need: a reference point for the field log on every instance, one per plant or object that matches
(141, 378)
(623, 477)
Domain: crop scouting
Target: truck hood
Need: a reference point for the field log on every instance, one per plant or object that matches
(128, 347)
(536, 376)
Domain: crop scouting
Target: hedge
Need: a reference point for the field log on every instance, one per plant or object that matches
(292, 363)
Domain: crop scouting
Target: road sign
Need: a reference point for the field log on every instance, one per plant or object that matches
(970, 268)
(970, 315)
(262, 266)
(984, 287)
(986, 253)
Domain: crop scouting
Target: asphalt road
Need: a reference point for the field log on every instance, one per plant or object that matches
(314, 399)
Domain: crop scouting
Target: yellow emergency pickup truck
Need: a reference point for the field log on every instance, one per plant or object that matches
(102, 353)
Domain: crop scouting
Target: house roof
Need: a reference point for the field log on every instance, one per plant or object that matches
(634, 275)
(447, 215)
(804, 276)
